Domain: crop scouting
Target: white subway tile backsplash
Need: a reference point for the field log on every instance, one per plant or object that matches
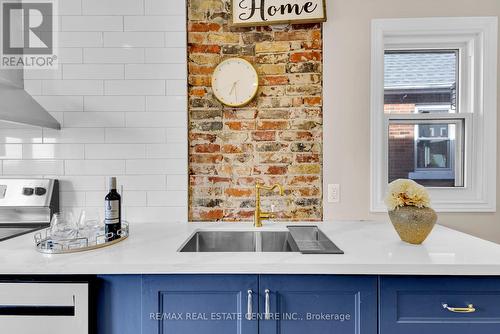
(155, 119)
(11, 151)
(92, 23)
(112, 7)
(177, 87)
(166, 103)
(20, 135)
(177, 182)
(156, 166)
(120, 94)
(43, 73)
(167, 198)
(164, 151)
(113, 55)
(115, 103)
(61, 103)
(166, 55)
(94, 167)
(157, 214)
(154, 23)
(73, 135)
(93, 71)
(142, 182)
(71, 199)
(89, 119)
(134, 87)
(155, 71)
(115, 151)
(72, 87)
(81, 183)
(33, 167)
(177, 135)
(53, 151)
(69, 7)
(76, 39)
(70, 55)
(133, 39)
(135, 135)
(175, 39)
(162, 7)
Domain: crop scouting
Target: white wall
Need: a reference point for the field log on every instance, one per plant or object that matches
(120, 95)
(347, 102)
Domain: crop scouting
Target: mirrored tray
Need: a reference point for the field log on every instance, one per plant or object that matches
(45, 244)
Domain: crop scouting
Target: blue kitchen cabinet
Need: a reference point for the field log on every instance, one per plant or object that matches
(199, 304)
(310, 304)
(436, 305)
(118, 309)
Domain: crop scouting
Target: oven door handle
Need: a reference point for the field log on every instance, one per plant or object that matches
(37, 310)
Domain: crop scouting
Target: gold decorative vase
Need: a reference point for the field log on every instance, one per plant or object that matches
(413, 224)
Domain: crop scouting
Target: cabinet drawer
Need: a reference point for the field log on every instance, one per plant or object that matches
(439, 305)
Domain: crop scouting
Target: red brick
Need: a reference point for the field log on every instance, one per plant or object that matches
(306, 158)
(204, 27)
(214, 214)
(195, 69)
(299, 57)
(219, 180)
(242, 125)
(272, 125)
(264, 135)
(202, 137)
(200, 48)
(239, 192)
(207, 148)
(205, 158)
(198, 92)
(312, 101)
(273, 80)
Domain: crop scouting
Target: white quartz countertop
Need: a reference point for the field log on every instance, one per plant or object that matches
(370, 248)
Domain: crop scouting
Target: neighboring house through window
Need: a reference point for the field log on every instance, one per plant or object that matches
(422, 82)
(433, 109)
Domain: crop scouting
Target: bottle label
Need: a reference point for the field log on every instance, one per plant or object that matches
(112, 212)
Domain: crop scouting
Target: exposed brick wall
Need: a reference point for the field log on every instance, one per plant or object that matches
(276, 138)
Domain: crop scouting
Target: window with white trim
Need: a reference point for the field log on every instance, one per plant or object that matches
(433, 109)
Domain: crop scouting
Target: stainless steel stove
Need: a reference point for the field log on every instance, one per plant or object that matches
(26, 205)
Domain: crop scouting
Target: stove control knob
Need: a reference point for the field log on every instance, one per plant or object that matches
(28, 191)
(40, 191)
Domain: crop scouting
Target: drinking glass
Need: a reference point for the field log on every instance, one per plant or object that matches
(63, 226)
(90, 224)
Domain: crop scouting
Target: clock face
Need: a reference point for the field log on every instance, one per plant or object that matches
(235, 82)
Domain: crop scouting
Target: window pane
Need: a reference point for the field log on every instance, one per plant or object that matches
(426, 151)
(422, 81)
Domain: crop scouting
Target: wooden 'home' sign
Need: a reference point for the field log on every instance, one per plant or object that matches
(246, 13)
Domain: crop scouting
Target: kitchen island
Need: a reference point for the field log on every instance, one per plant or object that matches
(144, 284)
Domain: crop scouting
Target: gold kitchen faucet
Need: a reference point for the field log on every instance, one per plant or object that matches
(259, 215)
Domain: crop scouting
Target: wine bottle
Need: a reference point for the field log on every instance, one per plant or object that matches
(112, 211)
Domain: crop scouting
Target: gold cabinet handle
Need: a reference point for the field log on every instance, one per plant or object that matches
(469, 309)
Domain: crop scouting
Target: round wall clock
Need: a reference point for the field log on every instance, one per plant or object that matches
(235, 82)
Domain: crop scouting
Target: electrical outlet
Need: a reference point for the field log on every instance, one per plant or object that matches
(333, 193)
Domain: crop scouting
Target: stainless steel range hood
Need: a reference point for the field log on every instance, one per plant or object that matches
(17, 106)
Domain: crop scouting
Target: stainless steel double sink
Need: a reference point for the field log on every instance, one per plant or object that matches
(304, 239)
